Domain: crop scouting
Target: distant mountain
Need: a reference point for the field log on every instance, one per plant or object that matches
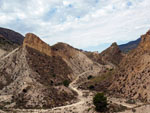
(112, 55)
(129, 46)
(12, 36)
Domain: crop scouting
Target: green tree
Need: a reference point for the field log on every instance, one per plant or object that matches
(66, 83)
(100, 102)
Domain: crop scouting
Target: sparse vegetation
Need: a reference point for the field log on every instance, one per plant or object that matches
(66, 83)
(104, 76)
(100, 102)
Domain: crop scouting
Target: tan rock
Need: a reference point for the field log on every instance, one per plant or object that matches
(35, 42)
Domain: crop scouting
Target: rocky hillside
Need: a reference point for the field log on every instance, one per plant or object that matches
(75, 58)
(110, 56)
(33, 75)
(132, 78)
(129, 46)
(29, 78)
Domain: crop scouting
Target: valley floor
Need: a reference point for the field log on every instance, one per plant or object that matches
(84, 103)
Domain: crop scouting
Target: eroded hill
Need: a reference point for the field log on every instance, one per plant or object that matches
(33, 75)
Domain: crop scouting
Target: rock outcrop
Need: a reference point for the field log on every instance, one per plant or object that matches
(35, 42)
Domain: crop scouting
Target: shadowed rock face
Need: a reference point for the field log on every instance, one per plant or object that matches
(125, 48)
(12, 36)
(35, 42)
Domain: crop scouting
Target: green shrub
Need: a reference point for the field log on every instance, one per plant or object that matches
(133, 110)
(89, 77)
(100, 102)
(66, 83)
(111, 69)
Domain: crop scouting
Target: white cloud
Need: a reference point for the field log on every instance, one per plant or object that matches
(81, 23)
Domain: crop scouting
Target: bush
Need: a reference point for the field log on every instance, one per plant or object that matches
(91, 87)
(89, 77)
(100, 102)
(54, 75)
(66, 83)
(133, 110)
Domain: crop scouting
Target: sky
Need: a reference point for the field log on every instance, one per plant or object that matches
(85, 24)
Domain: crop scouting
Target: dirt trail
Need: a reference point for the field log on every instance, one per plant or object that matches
(9, 54)
(81, 98)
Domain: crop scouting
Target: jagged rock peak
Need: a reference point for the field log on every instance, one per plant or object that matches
(114, 44)
(145, 41)
(33, 41)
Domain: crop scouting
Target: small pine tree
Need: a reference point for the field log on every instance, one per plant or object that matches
(100, 102)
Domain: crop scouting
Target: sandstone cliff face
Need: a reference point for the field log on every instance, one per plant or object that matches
(35, 42)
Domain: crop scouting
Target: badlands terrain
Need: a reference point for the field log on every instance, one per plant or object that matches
(38, 78)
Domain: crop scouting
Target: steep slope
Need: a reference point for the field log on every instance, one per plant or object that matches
(29, 78)
(132, 78)
(129, 46)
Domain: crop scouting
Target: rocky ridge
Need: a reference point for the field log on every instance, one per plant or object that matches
(132, 77)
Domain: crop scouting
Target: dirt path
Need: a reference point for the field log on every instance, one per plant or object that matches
(9, 54)
(79, 106)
